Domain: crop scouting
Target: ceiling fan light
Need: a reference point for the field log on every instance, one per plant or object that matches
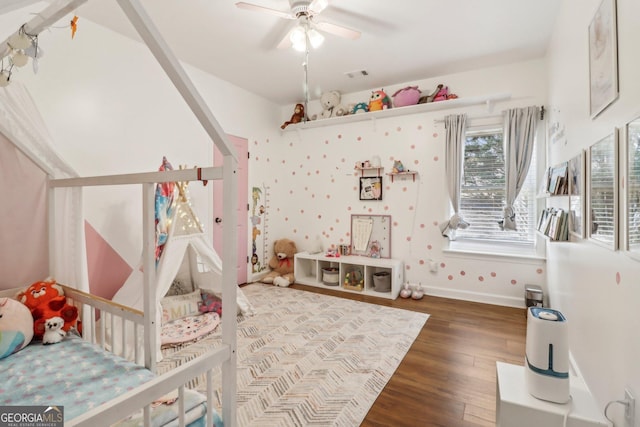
(315, 38)
(19, 40)
(19, 59)
(297, 36)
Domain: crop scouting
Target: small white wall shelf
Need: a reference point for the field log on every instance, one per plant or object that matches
(367, 169)
(404, 174)
(489, 100)
(308, 271)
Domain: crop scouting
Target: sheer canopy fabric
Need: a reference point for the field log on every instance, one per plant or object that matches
(23, 126)
(455, 128)
(520, 125)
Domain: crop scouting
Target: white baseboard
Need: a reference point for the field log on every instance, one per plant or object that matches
(475, 296)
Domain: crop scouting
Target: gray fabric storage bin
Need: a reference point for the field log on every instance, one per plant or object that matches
(382, 281)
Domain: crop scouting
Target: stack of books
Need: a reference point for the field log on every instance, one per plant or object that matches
(556, 180)
(554, 223)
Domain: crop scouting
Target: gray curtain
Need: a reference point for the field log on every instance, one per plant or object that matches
(455, 128)
(519, 133)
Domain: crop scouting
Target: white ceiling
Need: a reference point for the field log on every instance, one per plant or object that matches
(401, 41)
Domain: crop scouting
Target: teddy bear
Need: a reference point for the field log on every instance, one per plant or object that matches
(45, 300)
(281, 263)
(297, 117)
(16, 326)
(331, 107)
(53, 332)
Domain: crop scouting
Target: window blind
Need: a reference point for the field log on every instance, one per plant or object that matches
(483, 194)
(634, 186)
(603, 202)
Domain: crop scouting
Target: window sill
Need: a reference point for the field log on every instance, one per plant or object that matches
(495, 251)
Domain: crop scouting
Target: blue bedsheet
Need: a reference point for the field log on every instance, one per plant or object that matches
(74, 374)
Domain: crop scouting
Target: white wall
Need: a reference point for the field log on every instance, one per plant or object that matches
(111, 109)
(313, 190)
(596, 288)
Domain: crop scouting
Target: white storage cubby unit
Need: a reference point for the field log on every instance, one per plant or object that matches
(309, 271)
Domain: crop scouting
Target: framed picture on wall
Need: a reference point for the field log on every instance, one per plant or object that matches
(576, 195)
(603, 192)
(603, 58)
(371, 188)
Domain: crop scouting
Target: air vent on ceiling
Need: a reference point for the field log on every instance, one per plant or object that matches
(356, 74)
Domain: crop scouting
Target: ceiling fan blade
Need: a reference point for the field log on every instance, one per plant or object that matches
(317, 6)
(338, 30)
(285, 43)
(255, 7)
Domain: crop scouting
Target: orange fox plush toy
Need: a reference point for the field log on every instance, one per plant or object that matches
(46, 300)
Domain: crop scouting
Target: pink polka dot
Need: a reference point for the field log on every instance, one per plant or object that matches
(435, 135)
(399, 129)
(481, 278)
(386, 134)
(422, 225)
(284, 161)
(395, 223)
(410, 208)
(413, 146)
(286, 218)
(359, 138)
(308, 173)
(257, 158)
(337, 220)
(306, 237)
(419, 127)
(291, 144)
(415, 162)
(326, 142)
(348, 208)
(319, 216)
(330, 228)
(462, 273)
(339, 136)
(255, 142)
(313, 196)
(308, 157)
(290, 191)
(328, 196)
(408, 267)
(293, 173)
(408, 238)
(493, 274)
(514, 281)
(442, 264)
(343, 160)
(435, 158)
(370, 210)
(421, 262)
(618, 278)
(435, 223)
(429, 247)
(324, 156)
(539, 271)
(301, 211)
(295, 230)
(386, 208)
(450, 277)
(404, 189)
(317, 172)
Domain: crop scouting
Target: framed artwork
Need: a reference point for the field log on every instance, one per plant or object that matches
(371, 188)
(576, 195)
(603, 58)
(603, 192)
(632, 193)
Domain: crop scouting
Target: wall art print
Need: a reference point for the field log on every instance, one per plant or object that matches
(603, 58)
(371, 188)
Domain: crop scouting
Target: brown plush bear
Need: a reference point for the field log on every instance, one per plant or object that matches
(281, 263)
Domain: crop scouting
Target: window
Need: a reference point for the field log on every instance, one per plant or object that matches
(482, 193)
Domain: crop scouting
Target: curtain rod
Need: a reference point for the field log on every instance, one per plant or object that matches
(491, 116)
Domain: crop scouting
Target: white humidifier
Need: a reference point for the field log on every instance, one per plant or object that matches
(547, 355)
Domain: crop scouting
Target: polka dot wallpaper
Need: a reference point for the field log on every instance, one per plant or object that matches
(313, 189)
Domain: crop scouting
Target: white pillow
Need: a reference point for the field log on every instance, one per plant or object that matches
(179, 306)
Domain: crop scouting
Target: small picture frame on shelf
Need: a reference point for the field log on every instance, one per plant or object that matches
(576, 195)
(371, 188)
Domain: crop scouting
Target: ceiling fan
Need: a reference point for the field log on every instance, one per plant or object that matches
(305, 13)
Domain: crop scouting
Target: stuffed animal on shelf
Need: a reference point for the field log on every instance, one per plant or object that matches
(441, 95)
(429, 98)
(46, 300)
(379, 100)
(16, 326)
(297, 117)
(281, 263)
(360, 107)
(398, 167)
(406, 96)
(331, 106)
(53, 332)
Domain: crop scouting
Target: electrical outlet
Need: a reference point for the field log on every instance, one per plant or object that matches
(630, 408)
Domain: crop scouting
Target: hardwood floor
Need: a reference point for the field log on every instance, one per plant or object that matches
(448, 377)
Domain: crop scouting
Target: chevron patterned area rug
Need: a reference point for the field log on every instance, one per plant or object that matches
(308, 359)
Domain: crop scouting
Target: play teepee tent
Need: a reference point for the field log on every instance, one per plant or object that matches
(184, 256)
